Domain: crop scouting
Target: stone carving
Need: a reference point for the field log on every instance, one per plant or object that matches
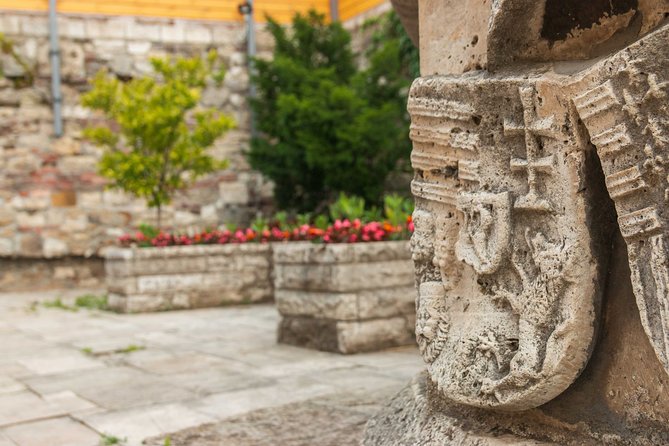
(626, 116)
(503, 160)
(506, 210)
(486, 232)
(431, 319)
(536, 122)
(532, 130)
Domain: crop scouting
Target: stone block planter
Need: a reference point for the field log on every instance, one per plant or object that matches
(177, 277)
(345, 298)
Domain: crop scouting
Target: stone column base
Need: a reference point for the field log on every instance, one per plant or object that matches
(407, 420)
(418, 416)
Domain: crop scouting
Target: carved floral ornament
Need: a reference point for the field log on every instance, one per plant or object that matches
(506, 241)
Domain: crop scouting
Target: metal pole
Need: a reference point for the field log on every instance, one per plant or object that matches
(334, 10)
(54, 53)
(247, 9)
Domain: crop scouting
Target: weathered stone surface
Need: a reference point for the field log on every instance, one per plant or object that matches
(344, 297)
(366, 304)
(489, 34)
(619, 399)
(504, 239)
(327, 421)
(516, 168)
(347, 336)
(343, 277)
(153, 279)
(374, 334)
(301, 253)
(462, 49)
(320, 334)
(622, 103)
(338, 306)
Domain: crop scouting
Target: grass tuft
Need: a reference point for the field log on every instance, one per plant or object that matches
(86, 301)
(109, 440)
(91, 302)
(58, 304)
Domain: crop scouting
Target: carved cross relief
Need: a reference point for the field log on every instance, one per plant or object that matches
(533, 130)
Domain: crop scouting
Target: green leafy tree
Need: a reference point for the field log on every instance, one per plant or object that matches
(157, 138)
(388, 31)
(327, 127)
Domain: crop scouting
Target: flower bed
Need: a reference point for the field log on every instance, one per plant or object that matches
(341, 231)
(162, 271)
(345, 298)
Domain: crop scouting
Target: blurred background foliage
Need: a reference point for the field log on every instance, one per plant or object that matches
(327, 124)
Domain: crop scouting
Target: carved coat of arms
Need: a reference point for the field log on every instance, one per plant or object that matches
(507, 241)
(510, 298)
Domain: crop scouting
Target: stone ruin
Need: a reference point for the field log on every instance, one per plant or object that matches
(541, 157)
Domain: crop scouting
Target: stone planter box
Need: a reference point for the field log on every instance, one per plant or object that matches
(178, 277)
(345, 298)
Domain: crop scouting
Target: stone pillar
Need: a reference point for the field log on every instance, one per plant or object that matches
(540, 131)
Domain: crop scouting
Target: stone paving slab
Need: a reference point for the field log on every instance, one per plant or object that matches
(67, 378)
(58, 431)
(332, 420)
(113, 387)
(134, 425)
(24, 406)
(10, 385)
(5, 441)
(58, 361)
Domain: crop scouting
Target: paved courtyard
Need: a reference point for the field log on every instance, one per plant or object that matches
(86, 377)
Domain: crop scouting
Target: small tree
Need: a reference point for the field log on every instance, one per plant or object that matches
(157, 140)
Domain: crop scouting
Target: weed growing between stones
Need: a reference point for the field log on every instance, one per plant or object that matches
(91, 302)
(108, 440)
(124, 350)
(59, 304)
(87, 351)
(86, 301)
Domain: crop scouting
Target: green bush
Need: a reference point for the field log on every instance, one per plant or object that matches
(158, 138)
(327, 127)
(395, 211)
(346, 207)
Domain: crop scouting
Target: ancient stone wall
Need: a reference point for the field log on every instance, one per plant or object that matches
(52, 202)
